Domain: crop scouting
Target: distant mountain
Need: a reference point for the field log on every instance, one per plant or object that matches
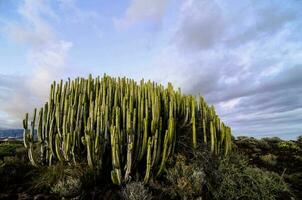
(11, 133)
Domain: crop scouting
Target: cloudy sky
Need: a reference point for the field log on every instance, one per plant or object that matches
(244, 56)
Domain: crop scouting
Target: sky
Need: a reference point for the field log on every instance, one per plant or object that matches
(243, 56)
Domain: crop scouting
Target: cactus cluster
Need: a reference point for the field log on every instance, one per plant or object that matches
(117, 119)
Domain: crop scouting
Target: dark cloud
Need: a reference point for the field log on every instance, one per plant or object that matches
(267, 19)
(287, 79)
(245, 58)
(276, 107)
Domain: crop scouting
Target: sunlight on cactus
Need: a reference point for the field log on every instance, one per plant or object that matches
(119, 120)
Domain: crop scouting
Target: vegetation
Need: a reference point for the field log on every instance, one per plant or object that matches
(190, 174)
(239, 181)
(274, 154)
(116, 122)
(136, 191)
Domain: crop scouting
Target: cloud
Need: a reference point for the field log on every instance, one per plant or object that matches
(49, 64)
(33, 28)
(244, 58)
(202, 25)
(78, 15)
(14, 100)
(140, 10)
(47, 55)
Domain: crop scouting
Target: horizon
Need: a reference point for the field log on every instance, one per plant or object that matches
(245, 58)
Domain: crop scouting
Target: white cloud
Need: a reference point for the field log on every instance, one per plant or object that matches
(78, 15)
(140, 10)
(49, 64)
(230, 104)
(243, 58)
(47, 56)
(32, 29)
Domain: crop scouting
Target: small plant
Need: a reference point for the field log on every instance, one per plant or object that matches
(288, 146)
(269, 159)
(186, 179)
(67, 187)
(136, 191)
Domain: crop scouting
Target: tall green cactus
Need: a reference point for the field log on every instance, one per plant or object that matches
(138, 123)
(193, 118)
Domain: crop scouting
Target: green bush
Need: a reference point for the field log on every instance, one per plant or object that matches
(239, 181)
(263, 144)
(7, 149)
(272, 139)
(288, 146)
(269, 159)
(248, 143)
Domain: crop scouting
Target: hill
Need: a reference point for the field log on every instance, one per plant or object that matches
(11, 133)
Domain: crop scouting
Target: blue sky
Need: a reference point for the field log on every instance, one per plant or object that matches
(244, 56)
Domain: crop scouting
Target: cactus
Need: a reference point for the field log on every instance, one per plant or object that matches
(194, 136)
(138, 123)
(148, 164)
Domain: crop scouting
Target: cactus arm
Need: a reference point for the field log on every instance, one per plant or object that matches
(116, 172)
(194, 136)
(148, 168)
(129, 146)
(58, 148)
(25, 131)
(164, 155)
(31, 141)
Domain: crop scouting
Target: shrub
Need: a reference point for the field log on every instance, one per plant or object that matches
(299, 142)
(295, 181)
(263, 144)
(248, 143)
(269, 159)
(299, 139)
(67, 187)
(239, 181)
(62, 180)
(13, 172)
(186, 179)
(288, 146)
(272, 139)
(7, 149)
(136, 191)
